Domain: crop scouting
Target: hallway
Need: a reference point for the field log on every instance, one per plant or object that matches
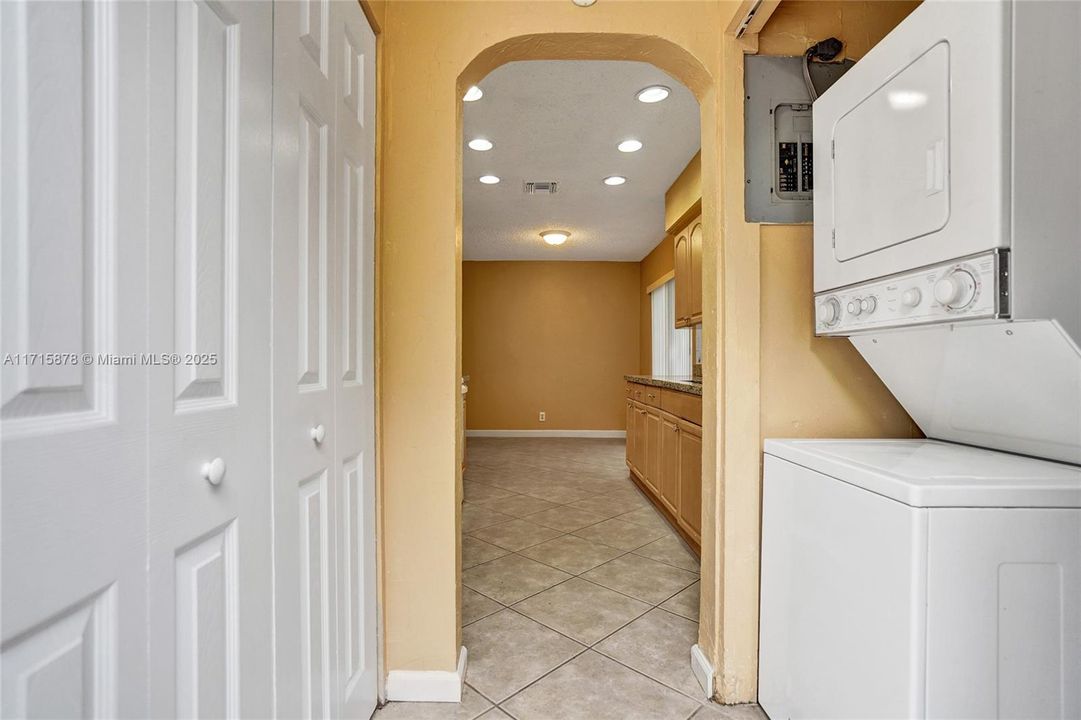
(578, 599)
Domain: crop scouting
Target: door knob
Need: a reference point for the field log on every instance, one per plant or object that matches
(319, 434)
(214, 471)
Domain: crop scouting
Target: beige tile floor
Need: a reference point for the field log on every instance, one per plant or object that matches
(579, 601)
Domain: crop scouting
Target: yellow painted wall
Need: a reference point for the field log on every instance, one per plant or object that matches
(551, 336)
(683, 200)
(817, 387)
(813, 387)
(659, 263)
(430, 51)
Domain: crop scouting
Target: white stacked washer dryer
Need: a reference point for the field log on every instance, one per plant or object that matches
(942, 578)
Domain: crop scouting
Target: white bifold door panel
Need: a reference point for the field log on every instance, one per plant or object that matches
(73, 525)
(187, 219)
(324, 493)
(210, 187)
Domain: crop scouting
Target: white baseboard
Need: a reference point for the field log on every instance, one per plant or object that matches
(702, 669)
(546, 433)
(428, 685)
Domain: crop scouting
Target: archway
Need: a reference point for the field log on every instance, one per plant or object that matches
(421, 279)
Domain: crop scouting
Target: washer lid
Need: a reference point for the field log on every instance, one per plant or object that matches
(930, 473)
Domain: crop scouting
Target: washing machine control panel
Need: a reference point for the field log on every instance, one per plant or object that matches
(972, 288)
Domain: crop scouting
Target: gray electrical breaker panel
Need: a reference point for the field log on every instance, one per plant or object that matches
(777, 136)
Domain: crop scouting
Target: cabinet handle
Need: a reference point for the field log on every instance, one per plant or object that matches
(650, 395)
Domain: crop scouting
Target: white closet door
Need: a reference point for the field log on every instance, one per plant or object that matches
(72, 175)
(353, 41)
(210, 561)
(306, 360)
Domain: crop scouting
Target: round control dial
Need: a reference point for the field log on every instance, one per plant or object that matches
(911, 297)
(868, 304)
(956, 289)
(829, 312)
(854, 307)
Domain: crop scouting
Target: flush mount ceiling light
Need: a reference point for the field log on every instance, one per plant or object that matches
(473, 94)
(615, 180)
(488, 179)
(555, 237)
(480, 144)
(629, 146)
(583, 3)
(653, 93)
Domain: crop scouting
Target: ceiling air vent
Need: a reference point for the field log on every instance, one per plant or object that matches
(548, 187)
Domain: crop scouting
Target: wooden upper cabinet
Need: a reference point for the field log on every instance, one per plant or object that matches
(688, 267)
(683, 272)
(696, 272)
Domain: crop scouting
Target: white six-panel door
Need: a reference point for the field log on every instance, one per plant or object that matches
(353, 41)
(149, 207)
(73, 495)
(210, 192)
(323, 398)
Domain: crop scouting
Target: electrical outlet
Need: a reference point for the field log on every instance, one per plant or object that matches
(542, 416)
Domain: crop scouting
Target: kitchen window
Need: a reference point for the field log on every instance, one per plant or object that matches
(671, 346)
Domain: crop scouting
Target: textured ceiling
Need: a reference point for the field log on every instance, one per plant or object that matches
(561, 120)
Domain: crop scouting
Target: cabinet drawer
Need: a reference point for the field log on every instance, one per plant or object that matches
(682, 405)
(645, 394)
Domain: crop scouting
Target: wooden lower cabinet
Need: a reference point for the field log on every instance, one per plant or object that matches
(653, 449)
(664, 453)
(668, 465)
(690, 479)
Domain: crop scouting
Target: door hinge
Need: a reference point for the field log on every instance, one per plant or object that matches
(833, 149)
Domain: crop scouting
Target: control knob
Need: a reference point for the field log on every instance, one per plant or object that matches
(854, 307)
(829, 312)
(868, 304)
(911, 297)
(956, 289)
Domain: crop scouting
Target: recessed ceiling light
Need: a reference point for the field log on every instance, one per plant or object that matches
(615, 180)
(488, 179)
(473, 94)
(629, 146)
(480, 144)
(555, 237)
(653, 93)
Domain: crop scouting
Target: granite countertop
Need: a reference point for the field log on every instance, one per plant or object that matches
(681, 383)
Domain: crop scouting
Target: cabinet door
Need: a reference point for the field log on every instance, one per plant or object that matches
(683, 285)
(653, 449)
(668, 480)
(630, 433)
(690, 479)
(640, 449)
(695, 301)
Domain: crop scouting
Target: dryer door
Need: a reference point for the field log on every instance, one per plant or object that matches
(912, 148)
(891, 160)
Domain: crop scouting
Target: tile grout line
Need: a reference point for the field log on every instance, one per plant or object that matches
(507, 468)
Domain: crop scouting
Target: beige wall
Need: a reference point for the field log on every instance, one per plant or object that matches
(551, 336)
(813, 387)
(683, 200)
(430, 50)
(659, 264)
